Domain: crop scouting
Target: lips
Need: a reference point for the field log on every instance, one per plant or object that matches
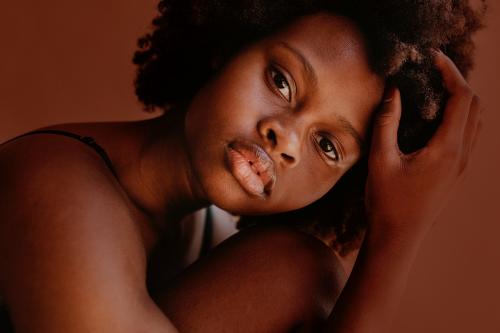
(252, 167)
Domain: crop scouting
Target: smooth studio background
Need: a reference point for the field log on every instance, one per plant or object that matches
(70, 61)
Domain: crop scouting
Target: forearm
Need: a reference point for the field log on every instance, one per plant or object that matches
(372, 293)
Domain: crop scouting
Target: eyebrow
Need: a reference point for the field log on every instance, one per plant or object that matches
(308, 69)
(346, 125)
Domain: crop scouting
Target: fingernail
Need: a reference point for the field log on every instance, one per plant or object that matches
(389, 94)
(436, 51)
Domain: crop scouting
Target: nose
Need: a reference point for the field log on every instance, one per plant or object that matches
(282, 138)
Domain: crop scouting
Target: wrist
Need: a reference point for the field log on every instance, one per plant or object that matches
(398, 235)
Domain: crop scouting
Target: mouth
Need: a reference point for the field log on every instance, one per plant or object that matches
(252, 167)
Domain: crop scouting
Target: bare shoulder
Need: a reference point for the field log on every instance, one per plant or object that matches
(43, 176)
(71, 257)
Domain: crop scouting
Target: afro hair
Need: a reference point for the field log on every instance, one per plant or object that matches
(176, 59)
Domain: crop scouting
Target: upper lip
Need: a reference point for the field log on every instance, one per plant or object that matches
(260, 161)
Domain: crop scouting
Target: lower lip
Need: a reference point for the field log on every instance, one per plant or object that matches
(244, 174)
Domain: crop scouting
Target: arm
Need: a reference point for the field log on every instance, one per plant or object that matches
(404, 195)
(70, 256)
(370, 298)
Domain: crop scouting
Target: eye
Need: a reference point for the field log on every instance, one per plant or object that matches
(327, 146)
(281, 83)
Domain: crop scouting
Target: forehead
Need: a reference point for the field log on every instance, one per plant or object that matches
(330, 37)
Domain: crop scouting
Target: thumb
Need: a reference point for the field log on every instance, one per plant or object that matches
(385, 127)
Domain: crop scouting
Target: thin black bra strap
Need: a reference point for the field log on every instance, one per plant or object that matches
(89, 141)
(206, 242)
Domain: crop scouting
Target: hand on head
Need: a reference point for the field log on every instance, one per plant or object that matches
(405, 192)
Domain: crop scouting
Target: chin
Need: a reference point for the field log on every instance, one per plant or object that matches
(229, 197)
(236, 201)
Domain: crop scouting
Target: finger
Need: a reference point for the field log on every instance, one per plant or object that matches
(453, 80)
(477, 132)
(471, 130)
(385, 127)
(472, 122)
(462, 174)
(458, 104)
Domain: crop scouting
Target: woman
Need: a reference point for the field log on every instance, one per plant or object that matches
(263, 122)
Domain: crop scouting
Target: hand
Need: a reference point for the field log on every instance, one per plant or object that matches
(405, 193)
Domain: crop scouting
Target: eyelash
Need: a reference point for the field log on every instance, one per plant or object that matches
(274, 70)
(335, 156)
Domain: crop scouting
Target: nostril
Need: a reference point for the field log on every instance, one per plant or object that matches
(271, 136)
(288, 158)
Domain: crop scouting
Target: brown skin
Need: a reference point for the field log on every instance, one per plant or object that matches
(242, 102)
(247, 283)
(405, 193)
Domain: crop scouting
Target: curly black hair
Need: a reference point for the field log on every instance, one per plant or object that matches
(177, 58)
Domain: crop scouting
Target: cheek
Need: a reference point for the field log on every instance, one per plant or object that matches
(230, 105)
(308, 182)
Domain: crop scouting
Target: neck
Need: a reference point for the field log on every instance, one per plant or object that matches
(159, 179)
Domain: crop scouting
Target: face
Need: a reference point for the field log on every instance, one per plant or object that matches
(285, 118)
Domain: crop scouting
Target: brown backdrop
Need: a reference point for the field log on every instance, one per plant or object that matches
(66, 61)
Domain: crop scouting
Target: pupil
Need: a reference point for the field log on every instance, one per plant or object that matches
(326, 145)
(279, 80)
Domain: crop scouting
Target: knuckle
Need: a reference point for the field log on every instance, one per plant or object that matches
(461, 175)
(480, 124)
(465, 90)
(434, 156)
(464, 165)
(482, 109)
(438, 156)
(476, 100)
(383, 117)
(476, 105)
(462, 170)
(475, 114)
(450, 153)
